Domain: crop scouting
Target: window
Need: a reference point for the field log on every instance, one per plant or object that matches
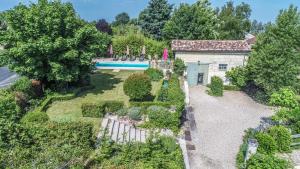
(223, 67)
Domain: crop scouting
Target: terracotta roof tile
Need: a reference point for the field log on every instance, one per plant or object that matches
(211, 45)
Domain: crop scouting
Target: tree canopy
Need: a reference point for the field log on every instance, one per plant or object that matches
(275, 60)
(47, 41)
(103, 26)
(121, 19)
(257, 27)
(235, 21)
(196, 21)
(154, 17)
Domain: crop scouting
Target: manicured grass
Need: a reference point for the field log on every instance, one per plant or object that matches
(108, 86)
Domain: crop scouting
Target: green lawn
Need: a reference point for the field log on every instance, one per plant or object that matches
(109, 86)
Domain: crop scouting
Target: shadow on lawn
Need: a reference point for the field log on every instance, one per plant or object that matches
(102, 82)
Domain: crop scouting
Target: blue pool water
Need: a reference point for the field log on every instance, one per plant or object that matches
(142, 65)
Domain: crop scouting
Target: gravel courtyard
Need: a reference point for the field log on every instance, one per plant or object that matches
(220, 125)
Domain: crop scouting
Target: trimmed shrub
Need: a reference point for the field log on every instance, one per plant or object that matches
(282, 136)
(35, 117)
(216, 86)
(137, 86)
(262, 161)
(285, 97)
(135, 113)
(237, 76)
(179, 66)
(154, 74)
(266, 144)
(93, 110)
(113, 106)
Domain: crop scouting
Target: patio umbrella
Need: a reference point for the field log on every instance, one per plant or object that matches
(111, 52)
(144, 50)
(127, 51)
(165, 55)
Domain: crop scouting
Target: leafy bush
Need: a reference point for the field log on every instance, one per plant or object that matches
(8, 107)
(24, 85)
(296, 128)
(135, 113)
(282, 136)
(249, 134)
(237, 76)
(157, 152)
(37, 142)
(154, 74)
(179, 66)
(266, 143)
(262, 161)
(282, 116)
(160, 117)
(137, 86)
(285, 97)
(216, 86)
(113, 106)
(35, 117)
(93, 110)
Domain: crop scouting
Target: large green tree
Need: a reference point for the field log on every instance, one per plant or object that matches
(47, 41)
(234, 20)
(196, 21)
(121, 19)
(154, 17)
(275, 60)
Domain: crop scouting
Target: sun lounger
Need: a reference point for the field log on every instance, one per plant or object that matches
(124, 58)
(133, 58)
(142, 58)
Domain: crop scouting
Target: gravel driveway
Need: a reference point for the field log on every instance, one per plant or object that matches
(220, 125)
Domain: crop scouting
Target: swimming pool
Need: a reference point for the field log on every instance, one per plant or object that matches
(123, 65)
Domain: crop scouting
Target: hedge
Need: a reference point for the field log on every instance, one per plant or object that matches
(113, 106)
(93, 110)
(216, 86)
(35, 117)
(100, 109)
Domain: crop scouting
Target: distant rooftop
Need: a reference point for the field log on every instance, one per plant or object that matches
(211, 45)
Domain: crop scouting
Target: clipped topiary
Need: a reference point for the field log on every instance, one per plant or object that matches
(137, 86)
(283, 138)
(216, 87)
(266, 143)
(154, 74)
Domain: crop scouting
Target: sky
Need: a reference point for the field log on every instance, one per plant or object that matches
(262, 10)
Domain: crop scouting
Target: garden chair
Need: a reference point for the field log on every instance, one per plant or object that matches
(142, 58)
(133, 58)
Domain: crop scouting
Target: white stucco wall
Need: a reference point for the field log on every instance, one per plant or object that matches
(214, 59)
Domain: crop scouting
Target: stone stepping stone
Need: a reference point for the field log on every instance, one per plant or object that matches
(121, 133)
(104, 125)
(127, 134)
(143, 136)
(115, 132)
(132, 134)
(138, 135)
(110, 128)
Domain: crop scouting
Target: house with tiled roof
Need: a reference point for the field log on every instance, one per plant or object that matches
(207, 58)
